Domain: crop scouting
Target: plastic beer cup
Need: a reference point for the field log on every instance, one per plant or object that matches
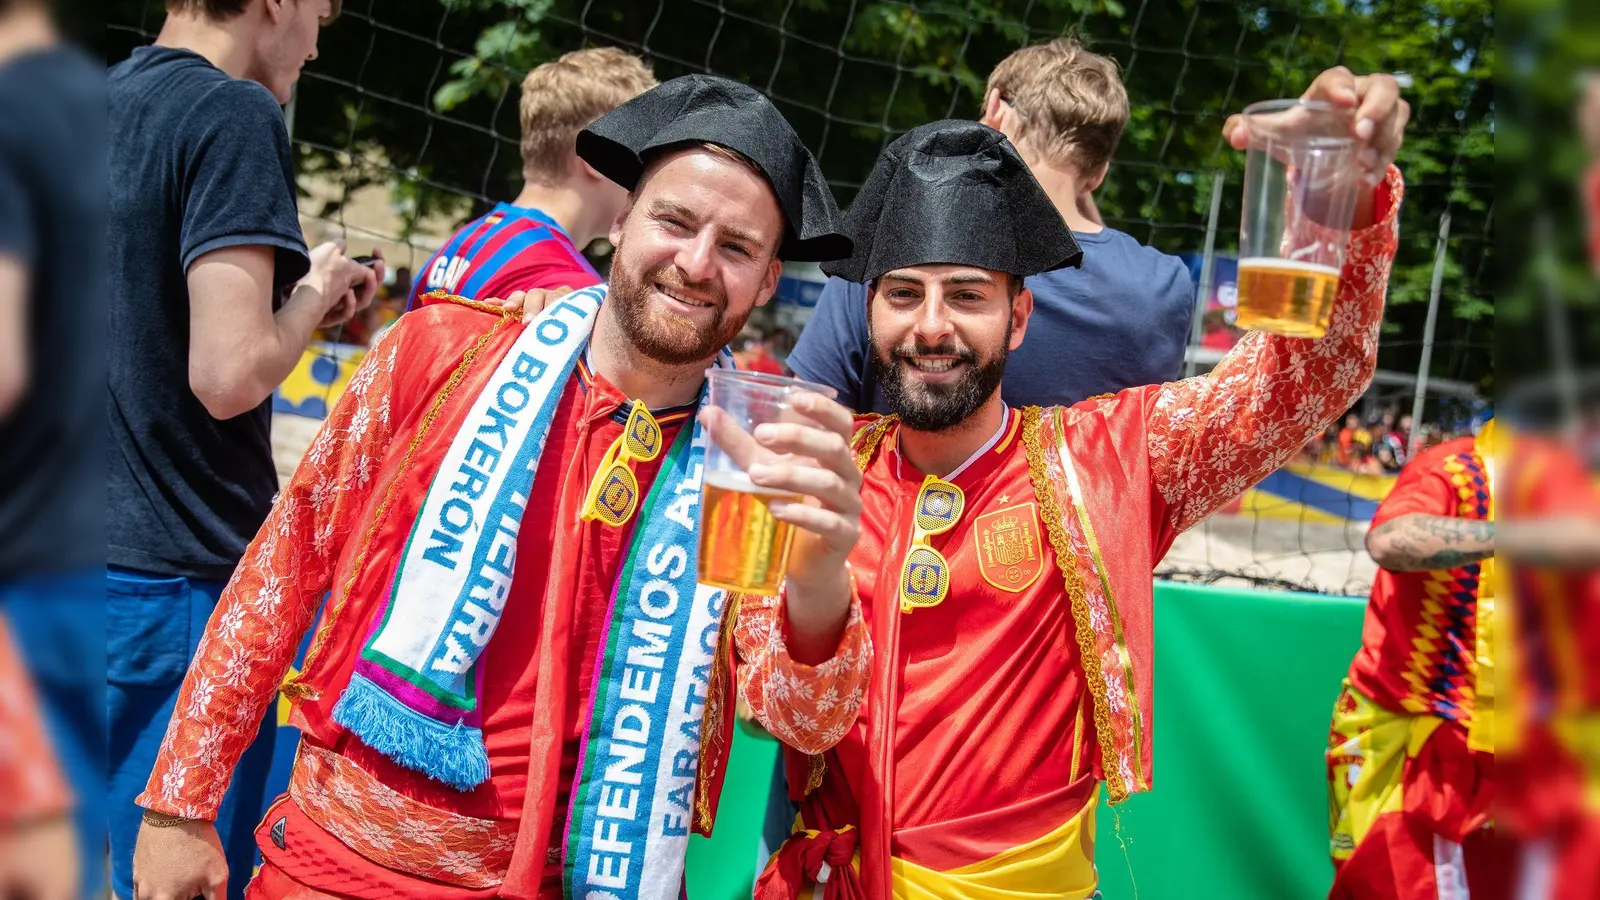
(742, 547)
(1300, 189)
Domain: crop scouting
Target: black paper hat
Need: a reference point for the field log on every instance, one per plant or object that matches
(708, 109)
(954, 192)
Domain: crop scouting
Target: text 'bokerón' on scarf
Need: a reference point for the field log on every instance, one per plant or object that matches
(414, 693)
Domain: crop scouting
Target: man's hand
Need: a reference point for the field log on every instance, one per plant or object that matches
(345, 286)
(39, 860)
(179, 862)
(1378, 125)
(809, 456)
(530, 302)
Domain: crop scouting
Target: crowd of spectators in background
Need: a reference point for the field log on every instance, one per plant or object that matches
(1378, 443)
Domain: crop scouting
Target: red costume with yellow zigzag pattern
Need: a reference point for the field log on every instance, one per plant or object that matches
(1410, 754)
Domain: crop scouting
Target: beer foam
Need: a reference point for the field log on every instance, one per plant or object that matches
(1293, 266)
(739, 482)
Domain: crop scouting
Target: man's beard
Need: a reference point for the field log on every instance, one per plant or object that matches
(663, 335)
(938, 407)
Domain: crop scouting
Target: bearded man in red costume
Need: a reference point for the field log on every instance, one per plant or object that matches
(487, 476)
(1006, 554)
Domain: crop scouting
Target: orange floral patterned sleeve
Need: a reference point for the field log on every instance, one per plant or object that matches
(1210, 438)
(253, 635)
(31, 785)
(807, 707)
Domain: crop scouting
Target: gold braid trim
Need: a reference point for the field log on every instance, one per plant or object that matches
(293, 687)
(473, 304)
(819, 768)
(712, 716)
(1067, 561)
(868, 438)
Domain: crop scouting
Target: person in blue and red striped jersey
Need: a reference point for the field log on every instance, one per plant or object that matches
(537, 240)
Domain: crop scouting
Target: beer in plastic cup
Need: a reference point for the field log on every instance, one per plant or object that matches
(742, 547)
(1300, 189)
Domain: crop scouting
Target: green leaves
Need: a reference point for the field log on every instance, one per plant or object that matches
(501, 52)
(421, 94)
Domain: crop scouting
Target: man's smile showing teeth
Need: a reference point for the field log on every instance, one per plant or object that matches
(932, 364)
(684, 299)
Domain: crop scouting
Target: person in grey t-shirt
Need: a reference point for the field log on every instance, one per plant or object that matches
(1119, 321)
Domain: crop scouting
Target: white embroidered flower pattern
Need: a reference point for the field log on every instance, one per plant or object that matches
(1211, 437)
(807, 707)
(271, 599)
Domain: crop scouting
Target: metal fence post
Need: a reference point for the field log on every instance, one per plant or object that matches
(1427, 336)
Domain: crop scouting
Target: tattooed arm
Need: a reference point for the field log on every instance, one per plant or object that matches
(1424, 543)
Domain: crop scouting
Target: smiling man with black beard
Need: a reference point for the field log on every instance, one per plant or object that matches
(1006, 553)
(954, 380)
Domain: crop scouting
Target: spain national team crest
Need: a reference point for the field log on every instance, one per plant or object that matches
(1009, 553)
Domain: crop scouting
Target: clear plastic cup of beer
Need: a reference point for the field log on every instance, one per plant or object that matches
(742, 547)
(1300, 188)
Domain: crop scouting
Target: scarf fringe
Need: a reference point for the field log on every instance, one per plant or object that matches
(453, 754)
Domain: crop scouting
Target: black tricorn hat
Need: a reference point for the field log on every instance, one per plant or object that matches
(712, 110)
(954, 192)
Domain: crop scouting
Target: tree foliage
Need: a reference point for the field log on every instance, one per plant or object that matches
(421, 95)
(1542, 160)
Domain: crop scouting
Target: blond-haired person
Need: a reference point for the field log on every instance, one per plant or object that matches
(1119, 320)
(537, 240)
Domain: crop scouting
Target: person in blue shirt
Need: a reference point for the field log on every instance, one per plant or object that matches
(1118, 321)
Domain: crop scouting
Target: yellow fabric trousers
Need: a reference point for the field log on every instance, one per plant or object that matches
(1367, 754)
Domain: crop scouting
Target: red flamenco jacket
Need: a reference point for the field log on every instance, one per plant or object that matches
(1116, 480)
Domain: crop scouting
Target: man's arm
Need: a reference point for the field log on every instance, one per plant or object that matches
(1547, 505)
(1570, 542)
(251, 639)
(239, 349)
(239, 241)
(1425, 543)
(810, 708)
(1211, 437)
(14, 350)
(806, 648)
(252, 636)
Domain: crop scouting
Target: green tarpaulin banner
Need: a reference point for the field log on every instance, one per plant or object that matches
(1245, 684)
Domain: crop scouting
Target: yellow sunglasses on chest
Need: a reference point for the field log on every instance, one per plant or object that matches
(614, 492)
(925, 575)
